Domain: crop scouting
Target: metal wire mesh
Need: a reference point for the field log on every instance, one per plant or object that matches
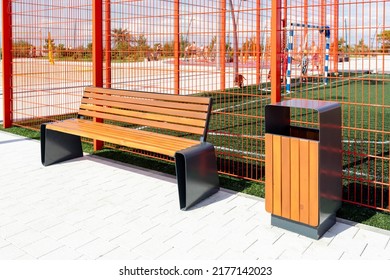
(50, 58)
(220, 49)
(359, 80)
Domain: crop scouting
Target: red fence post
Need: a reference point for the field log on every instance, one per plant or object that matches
(177, 47)
(336, 36)
(275, 51)
(222, 45)
(258, 43)
(108, 42)
(306, 22)
(7, 63)
(97, 54)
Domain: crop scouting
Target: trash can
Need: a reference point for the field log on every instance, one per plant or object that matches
(303, 169)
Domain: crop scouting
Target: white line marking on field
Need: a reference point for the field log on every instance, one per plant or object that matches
(288, 93)
(245, 103)
(239, 151)
(235, 135)
(365, 142)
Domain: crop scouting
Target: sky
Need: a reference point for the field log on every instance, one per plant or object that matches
(1, 26)
(357, 20)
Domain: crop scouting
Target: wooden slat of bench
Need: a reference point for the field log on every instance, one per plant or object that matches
(135, 107)
(142, 115)
(80, 124)
(138, 134)
(158, 96)
(126, 137)
(147, 101)
(156, 124)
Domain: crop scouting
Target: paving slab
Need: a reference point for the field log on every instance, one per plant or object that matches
(94, 208)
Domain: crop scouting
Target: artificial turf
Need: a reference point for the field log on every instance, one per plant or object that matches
(237, 130)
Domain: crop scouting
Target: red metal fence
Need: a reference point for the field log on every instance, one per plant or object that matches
(53, 49)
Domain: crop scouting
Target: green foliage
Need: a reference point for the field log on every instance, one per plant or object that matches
(140, 48)
(120, 35)
(89, 47)
(21, 48)
(122, 42)
(183, 44)
(354, 213)
(46, 45)
(168, 48)
(361, 47)
(243, 186)
(342, 45)
(384, 38)
(128, 46)
(213, 44)
(365, 216)
(25, 132)
(249, 47)
(78, 53)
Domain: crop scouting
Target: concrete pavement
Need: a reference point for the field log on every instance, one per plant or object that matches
(93, 208)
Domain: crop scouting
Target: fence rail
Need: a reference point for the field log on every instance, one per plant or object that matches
(224, 49)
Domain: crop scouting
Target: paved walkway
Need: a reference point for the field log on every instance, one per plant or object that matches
(92, 208)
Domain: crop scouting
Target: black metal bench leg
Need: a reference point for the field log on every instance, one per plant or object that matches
(196, 173)
(58, 146)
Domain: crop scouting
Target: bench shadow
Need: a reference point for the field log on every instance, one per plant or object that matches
(14, 140)
(131, 168)
(217, 197)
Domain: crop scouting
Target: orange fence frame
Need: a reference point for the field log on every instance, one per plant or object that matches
(87, 51)
(7, 63)
(276, 28)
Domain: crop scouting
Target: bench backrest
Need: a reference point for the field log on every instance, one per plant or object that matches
(188, 114)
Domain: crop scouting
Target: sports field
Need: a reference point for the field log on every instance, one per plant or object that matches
(237, 129)
(42, 90)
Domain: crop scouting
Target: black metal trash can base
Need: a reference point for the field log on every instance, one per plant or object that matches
(303, 229)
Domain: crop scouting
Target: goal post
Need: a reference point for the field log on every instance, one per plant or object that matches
(323, 31)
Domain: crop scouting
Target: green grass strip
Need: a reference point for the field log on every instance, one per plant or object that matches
(350, 212)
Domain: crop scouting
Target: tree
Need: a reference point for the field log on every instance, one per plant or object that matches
(121, 36)
(361, 47)
(123, 42)
(46, 46)
(168, 48)
(140, 47)
(213, 43)
(212, 47)
(21, 49)
(384, 38)
(89, 47)
(61, 50)
(249, 47)
(342, 45)
(183, 44)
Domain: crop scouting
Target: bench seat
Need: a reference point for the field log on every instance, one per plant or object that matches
(134, 138)
(124, 117)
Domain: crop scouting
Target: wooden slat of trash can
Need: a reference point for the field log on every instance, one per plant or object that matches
(294, 154)
(286, 178)
(292, 178)
(269, 173)
(304, 181)
(313, 183)
(277, 173)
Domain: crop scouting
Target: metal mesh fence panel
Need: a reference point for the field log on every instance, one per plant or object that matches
(51, 49)
(220, 49)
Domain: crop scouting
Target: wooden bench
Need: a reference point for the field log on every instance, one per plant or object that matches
(148, 121)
